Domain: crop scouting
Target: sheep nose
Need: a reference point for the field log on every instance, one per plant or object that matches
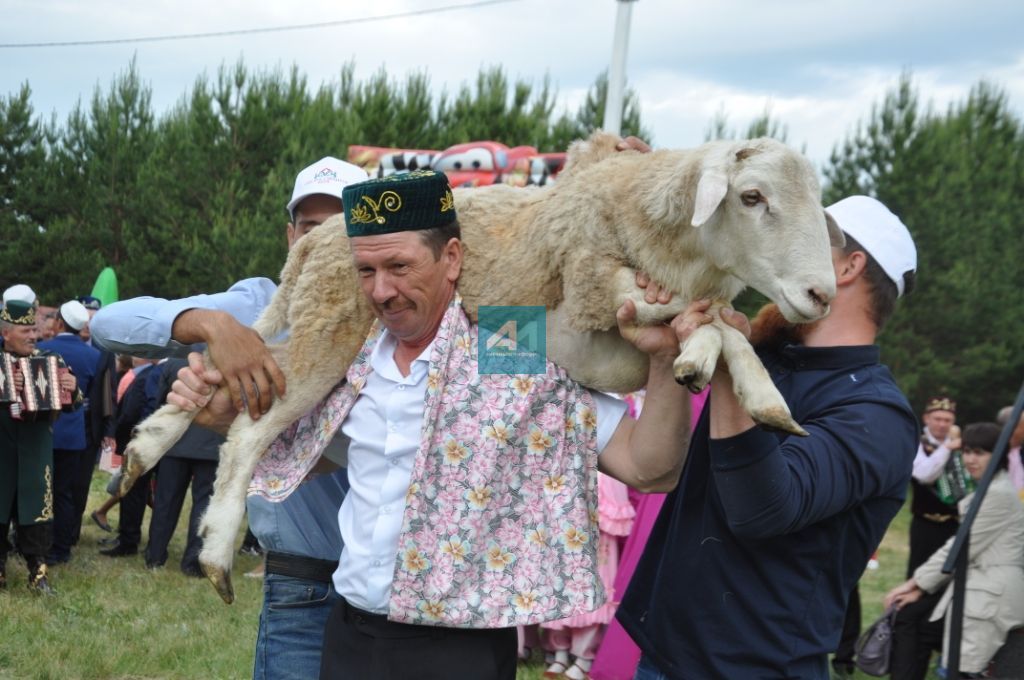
(820, 298)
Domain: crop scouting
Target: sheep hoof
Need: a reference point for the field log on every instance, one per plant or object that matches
(221, 580)
(689, 374)
(778, 418)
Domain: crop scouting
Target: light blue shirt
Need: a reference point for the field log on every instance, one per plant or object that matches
(306, 522)
(142, 326)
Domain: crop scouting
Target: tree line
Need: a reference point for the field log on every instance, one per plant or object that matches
(192, 199)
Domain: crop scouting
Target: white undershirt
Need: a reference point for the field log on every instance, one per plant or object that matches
(384, 427)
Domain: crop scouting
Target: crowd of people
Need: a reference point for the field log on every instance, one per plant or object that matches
(677, 540)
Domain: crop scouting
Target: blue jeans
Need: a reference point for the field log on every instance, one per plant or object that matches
(291, 630)
(646, 670)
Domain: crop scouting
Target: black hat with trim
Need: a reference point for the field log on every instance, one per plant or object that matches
(407, 202)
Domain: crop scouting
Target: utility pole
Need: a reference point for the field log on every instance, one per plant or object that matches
(617, 73)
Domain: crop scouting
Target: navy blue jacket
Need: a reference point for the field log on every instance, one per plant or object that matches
(751, 561)
(69, 430)
(136, 405)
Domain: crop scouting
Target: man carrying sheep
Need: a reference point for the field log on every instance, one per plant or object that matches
(748, 569)
(301, 533)
(473, 496)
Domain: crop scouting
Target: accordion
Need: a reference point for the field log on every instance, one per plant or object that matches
(41, 391)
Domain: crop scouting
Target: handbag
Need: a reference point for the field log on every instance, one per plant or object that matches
(875, 645)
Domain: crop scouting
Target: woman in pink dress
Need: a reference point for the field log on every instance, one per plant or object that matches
(618, 655)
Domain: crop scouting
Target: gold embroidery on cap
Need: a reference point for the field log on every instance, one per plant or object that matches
(447, 202)
(389, 201)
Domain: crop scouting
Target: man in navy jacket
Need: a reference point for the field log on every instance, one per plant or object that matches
(748, 569)
(69, 432)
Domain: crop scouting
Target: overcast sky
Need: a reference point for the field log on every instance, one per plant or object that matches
(818, 64)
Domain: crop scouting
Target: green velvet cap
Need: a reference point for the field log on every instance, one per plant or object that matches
(19, 313)
(408, 202)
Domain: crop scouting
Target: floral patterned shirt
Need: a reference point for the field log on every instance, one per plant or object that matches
(500, 523)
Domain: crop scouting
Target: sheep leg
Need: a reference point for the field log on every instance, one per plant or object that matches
(647, 313)
(698, 356)
(246, 442)
(753, 386)
(153, 437)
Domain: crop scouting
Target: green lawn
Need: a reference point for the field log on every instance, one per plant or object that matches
(115, 619)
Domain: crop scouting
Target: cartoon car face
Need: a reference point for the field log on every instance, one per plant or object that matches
(471, 159)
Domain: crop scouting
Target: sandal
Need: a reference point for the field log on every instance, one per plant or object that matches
(555, 670)
(577, 671)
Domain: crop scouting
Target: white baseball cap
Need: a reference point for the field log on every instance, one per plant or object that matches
(75, 314)
(327, 176)
(21, 293)
(881, 233)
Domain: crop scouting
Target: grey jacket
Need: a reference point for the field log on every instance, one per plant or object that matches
(994, 601)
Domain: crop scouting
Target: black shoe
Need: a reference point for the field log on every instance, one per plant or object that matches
(192, 571)
(54, 559)
(121, 550)
(102, 525)
(153, 566)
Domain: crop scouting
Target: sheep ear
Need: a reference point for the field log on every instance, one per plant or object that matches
(711, 190)
(836, 237)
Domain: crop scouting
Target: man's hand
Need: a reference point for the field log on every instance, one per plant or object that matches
(68, 381)
(632, 143)
(248, 370)
(200, 389)
(662, 342)
(19, 380)
(654, 292)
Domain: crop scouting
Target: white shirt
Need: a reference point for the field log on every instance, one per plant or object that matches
(384, 427)
(927, 468)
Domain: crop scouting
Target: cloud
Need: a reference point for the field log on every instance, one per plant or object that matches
(819, 65)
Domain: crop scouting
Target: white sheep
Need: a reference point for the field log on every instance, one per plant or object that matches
(704, 222)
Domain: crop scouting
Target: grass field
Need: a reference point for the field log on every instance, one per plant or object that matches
(112, 618)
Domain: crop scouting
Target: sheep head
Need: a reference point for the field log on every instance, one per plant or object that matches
(758, 210)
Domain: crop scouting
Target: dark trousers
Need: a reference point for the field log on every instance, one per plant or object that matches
(851, 631)
(133, 507)
(358, 644)
(65, 470)
(171, 486)
(80, 489)
(926, 537)
(34, 540)
(914, 638)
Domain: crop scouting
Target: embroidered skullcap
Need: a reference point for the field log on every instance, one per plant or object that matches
(407, 202)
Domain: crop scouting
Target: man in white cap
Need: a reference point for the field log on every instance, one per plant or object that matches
(301, 534)
(749, 567)
(70, 445)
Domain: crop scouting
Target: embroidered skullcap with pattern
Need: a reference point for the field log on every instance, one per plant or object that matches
(408, 202)
(19, 313)
(941, 403)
